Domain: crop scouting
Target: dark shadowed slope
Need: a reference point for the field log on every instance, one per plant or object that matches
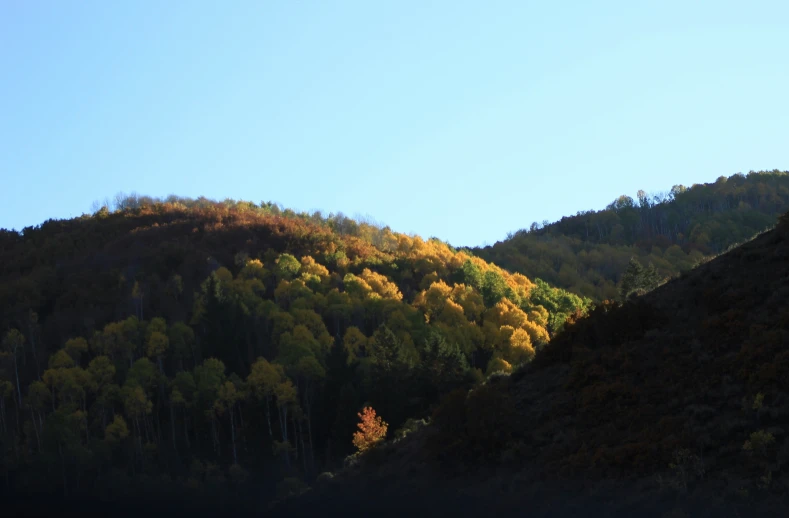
(675, 403)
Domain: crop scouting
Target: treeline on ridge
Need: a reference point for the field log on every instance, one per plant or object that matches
(675, 231)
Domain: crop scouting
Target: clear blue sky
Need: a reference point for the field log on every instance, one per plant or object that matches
(461, 120)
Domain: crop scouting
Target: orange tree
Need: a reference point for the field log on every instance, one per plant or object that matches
(372, 429)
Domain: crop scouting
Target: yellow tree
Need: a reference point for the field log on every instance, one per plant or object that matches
(470, 300)
(356, 287)
(497, 364)
(76, 347)
(380, 285)
(253, 269)
(520, 347)
(312, 273)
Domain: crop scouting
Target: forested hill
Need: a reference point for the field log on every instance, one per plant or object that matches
(189, 345)
(673, 404)
(587, 253)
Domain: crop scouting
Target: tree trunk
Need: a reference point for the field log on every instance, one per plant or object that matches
(309, 425)
(312, 449)
(241, 423)
(303, 452)
(233, 434)
(63, 469)
(268, 418)
(16, 371)
(33, 349)
(172, 429)
(283, 425)
(213, 435)
(186, 431)
(139, 434)
(2, 415)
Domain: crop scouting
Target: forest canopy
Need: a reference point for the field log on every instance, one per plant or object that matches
(197, 342)
(675, 230)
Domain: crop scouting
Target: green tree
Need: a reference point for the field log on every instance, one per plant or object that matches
(444, 367)
(494, 288)
(559, 303)
(637, 280)
(287, 267)
(472, 275)
(181, 339)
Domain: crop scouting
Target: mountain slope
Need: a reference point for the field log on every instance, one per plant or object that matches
(587, 253)
(220, 349)
(673, 402)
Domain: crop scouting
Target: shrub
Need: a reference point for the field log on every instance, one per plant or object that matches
(759, 442)
(411, 425)
(291, 486)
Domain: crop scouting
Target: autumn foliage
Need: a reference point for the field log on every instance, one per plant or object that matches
(372, 430)
(164, 334)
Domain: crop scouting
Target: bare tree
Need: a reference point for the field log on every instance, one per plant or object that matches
(119, 202)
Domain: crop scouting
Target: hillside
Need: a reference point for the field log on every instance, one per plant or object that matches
(674, 404)
(588, 253)
(221, 351)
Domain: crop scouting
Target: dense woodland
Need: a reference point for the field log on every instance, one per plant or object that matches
(675, 231)
(230, 348)
(672, 404)
(191, 344)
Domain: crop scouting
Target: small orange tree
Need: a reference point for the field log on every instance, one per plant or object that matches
(372, 429)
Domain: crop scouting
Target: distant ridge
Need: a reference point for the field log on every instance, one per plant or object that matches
(675, 230)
